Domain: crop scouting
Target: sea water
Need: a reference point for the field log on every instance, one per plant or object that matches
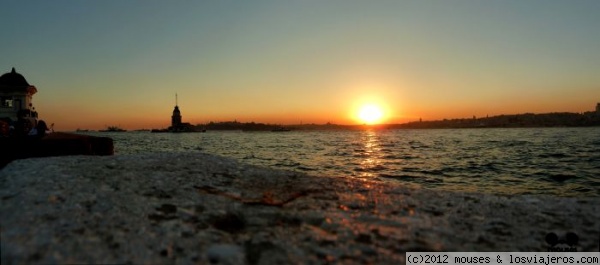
(554, 161)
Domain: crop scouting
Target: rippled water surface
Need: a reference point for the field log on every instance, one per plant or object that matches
(558, 161)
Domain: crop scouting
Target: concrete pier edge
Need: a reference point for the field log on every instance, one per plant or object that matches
(195, 208)
(53, 144)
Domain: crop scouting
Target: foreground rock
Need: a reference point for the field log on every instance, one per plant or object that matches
(196, 208)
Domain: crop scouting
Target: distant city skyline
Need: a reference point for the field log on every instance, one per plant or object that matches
(104, 63)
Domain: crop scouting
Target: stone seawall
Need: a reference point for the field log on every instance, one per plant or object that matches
(194, 208)
(53, 144)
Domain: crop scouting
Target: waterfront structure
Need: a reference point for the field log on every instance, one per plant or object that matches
(598, 108)
(176, 124)
(176, 117)
(16, 96)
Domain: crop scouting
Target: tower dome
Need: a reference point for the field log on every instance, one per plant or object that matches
(14, 81)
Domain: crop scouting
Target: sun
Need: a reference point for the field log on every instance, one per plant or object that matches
(370, 114)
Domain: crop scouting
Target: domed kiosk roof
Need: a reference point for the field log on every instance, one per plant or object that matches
(14, 81)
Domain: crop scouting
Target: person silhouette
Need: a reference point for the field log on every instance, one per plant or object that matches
(41, 128)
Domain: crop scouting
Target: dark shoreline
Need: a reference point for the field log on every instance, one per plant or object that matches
(53, 144)
(527, 120)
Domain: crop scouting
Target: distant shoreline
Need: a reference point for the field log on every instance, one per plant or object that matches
(321, 127)
(526, 120)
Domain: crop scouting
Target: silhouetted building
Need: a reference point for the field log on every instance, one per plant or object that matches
(176, 124)
(16, 97)
(176, 118)
(598, 108)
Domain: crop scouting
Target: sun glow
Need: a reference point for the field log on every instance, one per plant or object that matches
(370, 114)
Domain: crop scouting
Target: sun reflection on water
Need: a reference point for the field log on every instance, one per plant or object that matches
(371, 155)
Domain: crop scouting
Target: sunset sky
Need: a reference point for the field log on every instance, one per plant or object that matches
(99, 63)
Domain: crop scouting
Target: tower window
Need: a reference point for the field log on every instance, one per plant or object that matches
(7, 102)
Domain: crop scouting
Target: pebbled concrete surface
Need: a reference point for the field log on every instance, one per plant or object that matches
(194, 208)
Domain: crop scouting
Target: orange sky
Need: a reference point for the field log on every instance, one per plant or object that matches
(292, 62)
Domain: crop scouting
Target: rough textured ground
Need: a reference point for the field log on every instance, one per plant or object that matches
(196, 208)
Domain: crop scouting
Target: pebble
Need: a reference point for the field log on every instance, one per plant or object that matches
(224, 254)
